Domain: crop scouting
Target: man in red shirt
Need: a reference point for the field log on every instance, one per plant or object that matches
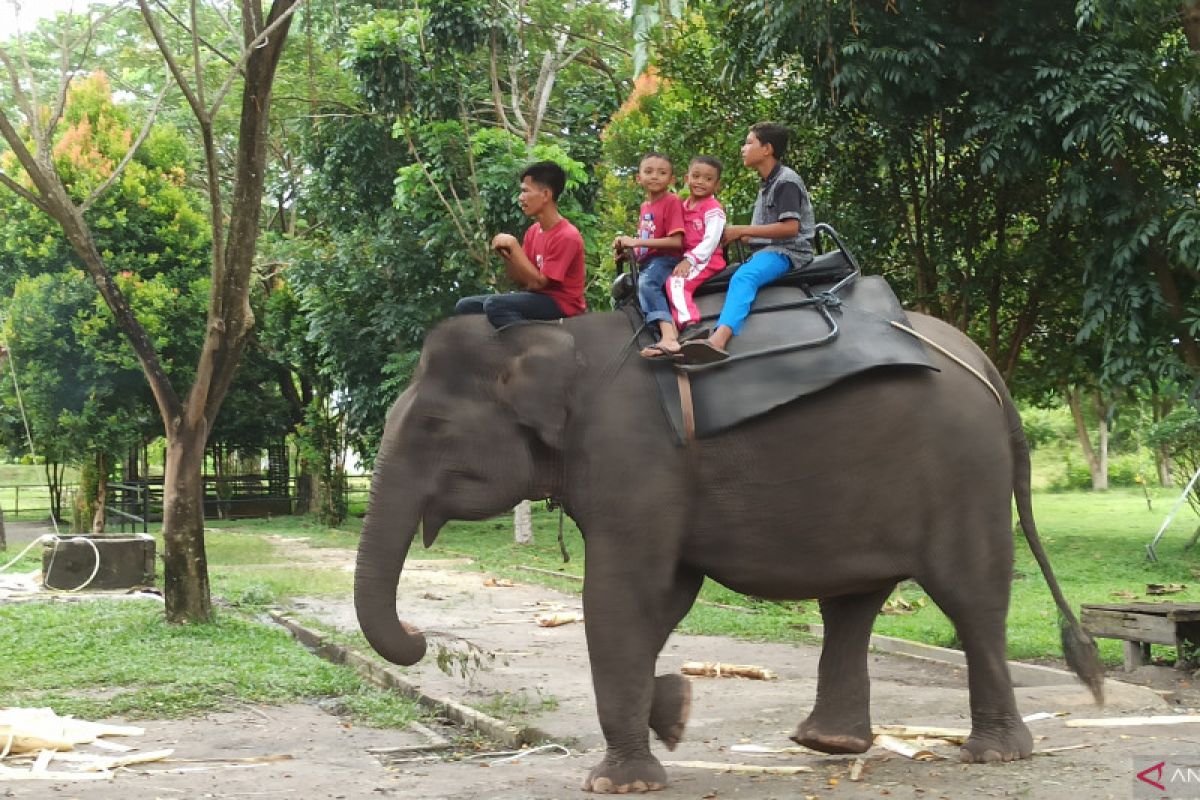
(548, 264)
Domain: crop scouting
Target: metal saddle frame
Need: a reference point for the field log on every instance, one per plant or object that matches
(836, 265)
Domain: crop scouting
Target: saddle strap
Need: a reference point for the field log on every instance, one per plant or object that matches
(685, 404)
(949, 355)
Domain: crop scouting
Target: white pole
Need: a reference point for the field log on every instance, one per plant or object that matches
(1150, 554)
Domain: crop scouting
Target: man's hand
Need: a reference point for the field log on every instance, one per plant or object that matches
(503, 244)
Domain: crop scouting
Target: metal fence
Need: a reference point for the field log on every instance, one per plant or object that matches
(135, 504)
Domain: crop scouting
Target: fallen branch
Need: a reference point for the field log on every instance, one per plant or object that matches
(714, 669)
(905, 749)
(954, 735)
(739, 769)
(554, 620)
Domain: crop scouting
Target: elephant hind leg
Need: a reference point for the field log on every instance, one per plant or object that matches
(840, 722)
(997, 730)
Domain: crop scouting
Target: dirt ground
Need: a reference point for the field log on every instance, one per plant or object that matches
(509, 665)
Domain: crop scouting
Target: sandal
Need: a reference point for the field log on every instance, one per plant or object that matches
(702, 352)
(659, 352)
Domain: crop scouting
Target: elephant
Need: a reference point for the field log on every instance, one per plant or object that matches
(837, 496)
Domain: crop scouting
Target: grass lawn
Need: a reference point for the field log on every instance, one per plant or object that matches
(119, 657)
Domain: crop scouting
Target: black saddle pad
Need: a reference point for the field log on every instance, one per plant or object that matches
(725, 395)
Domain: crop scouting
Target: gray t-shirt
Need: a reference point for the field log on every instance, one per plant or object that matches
(783, 196)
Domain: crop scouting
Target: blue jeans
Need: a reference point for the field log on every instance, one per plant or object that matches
(762, 268)
(652, 292)
(505, 309)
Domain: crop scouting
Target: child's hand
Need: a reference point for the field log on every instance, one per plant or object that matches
(682, 269)
(503, 243)
(622, 242)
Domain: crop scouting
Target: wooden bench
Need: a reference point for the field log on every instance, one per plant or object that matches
(1140, 625)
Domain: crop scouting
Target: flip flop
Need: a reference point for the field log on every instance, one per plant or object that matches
(696, 331)
(702, 352)
(659, 352)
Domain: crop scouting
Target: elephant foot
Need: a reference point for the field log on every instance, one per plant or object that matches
(639, 775)
(834, 738)
(671, 707)
(996, 744)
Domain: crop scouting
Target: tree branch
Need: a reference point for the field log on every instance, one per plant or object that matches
(260, 40)
(156, 31)
(36, 201)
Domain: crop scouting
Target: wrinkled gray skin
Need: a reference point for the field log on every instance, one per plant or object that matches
(890, 475)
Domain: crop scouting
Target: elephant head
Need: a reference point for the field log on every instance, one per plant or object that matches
(480, 428)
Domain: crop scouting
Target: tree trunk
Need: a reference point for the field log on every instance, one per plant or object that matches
(1159, 409)
(1101, 475)
(523, 523)
(99, 518)
(1097, 461)
(185, 566)
(1190, 13)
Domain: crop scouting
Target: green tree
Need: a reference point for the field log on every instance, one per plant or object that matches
(233, 224)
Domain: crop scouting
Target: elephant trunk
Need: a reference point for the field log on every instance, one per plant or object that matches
(392, 518)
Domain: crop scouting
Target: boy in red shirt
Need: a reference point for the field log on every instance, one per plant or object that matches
(548, 264)
(658, 245)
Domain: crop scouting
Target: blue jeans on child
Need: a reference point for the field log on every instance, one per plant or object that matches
(762, 268)
(652, 292)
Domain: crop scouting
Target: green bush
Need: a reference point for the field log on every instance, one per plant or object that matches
(1123, 470)
(1046, 426)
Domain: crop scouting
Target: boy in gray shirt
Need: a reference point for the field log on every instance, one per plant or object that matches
(780, 234)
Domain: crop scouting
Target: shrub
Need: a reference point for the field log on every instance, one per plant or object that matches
(1045, 426)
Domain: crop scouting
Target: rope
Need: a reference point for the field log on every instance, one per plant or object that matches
(512, 756)
(951, 356)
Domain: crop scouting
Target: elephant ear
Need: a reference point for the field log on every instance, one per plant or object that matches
(538, 376)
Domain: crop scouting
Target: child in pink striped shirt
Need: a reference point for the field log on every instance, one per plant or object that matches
(703, 223)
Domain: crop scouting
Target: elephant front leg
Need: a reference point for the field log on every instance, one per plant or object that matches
(626, 628)
(840, 722)
(672, 703)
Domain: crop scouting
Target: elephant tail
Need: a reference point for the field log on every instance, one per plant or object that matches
(1079, 648)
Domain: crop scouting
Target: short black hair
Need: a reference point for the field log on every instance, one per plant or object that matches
(772, 133)
(709, 161)
(656, 154)
(548, 174)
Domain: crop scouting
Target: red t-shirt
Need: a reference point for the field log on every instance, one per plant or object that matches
(658, 220)
(558, 254)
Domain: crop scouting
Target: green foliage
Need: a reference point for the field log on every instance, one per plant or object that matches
(409, 191)
(83, 388)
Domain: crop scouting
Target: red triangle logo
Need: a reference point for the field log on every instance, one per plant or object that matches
(1157, 769)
